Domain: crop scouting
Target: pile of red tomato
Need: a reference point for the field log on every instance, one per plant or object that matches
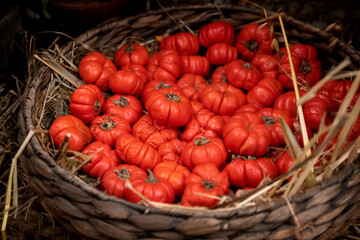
(172, 126)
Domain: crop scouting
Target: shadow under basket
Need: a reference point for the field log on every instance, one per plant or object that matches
(325, 211)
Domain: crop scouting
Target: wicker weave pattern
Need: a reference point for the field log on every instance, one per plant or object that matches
(323, 210)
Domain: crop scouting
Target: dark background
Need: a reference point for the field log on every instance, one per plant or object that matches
(33, 24)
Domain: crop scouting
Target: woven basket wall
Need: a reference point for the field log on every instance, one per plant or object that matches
(324, 210)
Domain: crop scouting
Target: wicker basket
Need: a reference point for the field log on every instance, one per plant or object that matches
(324, 210)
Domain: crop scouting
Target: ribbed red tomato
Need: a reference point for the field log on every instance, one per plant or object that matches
(184, 43)
(242, 74)
(222, 98)
(127, 106)
(248, 108)
(108, 127)
(153, 189)
(287, 101)
(96, 69)
(171, 151)
(151, 132)
(219, 75)
(157, 84)
(254, 39)
(114, 179)
(246, 134)
(102, 159)
(86, 102)
(249, 173)
(174, 173)
(204, 150)
(216, 32)
(131, 53)
(191, 86)
(221, 53)
(267, 65)
(265, 92)
(78, 133)
(164, 65)
(169, 107)
(194, 64)
(133, 151)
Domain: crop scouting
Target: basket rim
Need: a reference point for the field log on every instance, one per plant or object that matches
(26, 111)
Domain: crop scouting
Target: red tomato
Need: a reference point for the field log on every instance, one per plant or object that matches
(68, 125)
(157, 84)
(129, 80)
(164, 66)
(222, 98)
(272, 117)
(132, 151)
(174, 173)
(191, 86)
(115, 178)
(198, 65)
(96, 69)
(267, 64)
(246, 134)
(203, 120)
(242, 74)
(171, 151)
(184, 43)
(169, 107)
(196, 106)
(219, 75)
(209, 172)
(216, 32)
(265, 92)
(127, 106)
(248, 108)
(86, 102)
(287, 101)
(306, 64)
(131, 53)
(199, 194)
(153, 189)
(221, 53)
(108, 127)
(102, 159)
(250, 173)
(298, 133)
(254, 39)
(149, 131)
(204, 150)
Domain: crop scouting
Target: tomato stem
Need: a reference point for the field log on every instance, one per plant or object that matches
(97, 106)
(129, 48)
(163, 85)
(151, 178)
(201, 142)
(247, 65)
(305, 67)
(269, 121)
(208, 184)
(252, 45)
(121, 102)
(173, 97)
(108, 125)
(123, 173)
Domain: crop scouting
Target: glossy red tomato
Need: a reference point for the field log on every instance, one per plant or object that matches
(157, 84)
(169, 107)
(78, 133)
(108, 127)
(174, 173)
(287, 101)
(221, 53)
(114, 179)
(267, 65)
(196, 106)
(86, 102)
(254, 39)
(249, 108)
(306, 64)
(131, 53)
(96, 69)
(250, 173)
(222, 98)
(219, 75)
(216, 32)
(151, 132)
(195, 64)
(265, 92)
(199, 194)
(127, 106)
(242, 74)
(204, 150)
(184, 43)
(246, 134)
(164, 65)
(153, 189)
(129, 80)
(171, 151)
(133, 151)
(191, 86)
(102, 159)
